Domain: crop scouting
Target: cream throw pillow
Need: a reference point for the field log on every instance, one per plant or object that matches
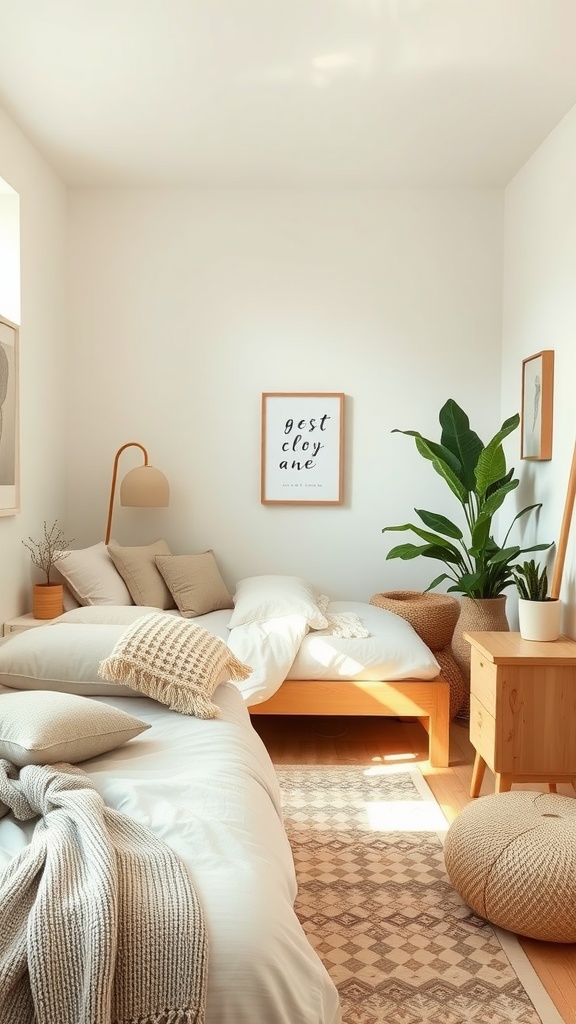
(195, 583)
(93, 578)
(174, 662)
(140, 573)
(42, 727)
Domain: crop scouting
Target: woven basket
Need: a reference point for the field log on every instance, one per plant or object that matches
(434, 617)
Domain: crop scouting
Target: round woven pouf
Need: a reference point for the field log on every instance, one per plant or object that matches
(512, 859)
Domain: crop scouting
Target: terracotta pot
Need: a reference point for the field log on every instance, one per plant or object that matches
(47, 600)
(477, 615)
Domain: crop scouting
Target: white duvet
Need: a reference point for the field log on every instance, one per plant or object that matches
(208, 788)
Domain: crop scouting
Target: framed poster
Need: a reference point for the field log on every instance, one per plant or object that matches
(537, 403)
(9, 453)
(302, 448)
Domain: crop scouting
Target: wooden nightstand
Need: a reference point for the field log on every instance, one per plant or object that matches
(22, 622)
(522, 709)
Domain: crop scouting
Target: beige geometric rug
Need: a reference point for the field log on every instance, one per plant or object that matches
(376, 904)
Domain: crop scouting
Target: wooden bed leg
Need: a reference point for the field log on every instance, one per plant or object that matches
(439, 728)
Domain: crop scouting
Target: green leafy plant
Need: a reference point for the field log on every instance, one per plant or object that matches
(531, 581)
(477, 476)
(49, 549)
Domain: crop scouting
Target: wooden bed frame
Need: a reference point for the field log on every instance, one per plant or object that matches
(427, 700)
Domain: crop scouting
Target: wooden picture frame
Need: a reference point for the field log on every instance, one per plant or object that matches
(9, 419)
(302, 448)
(537, 406)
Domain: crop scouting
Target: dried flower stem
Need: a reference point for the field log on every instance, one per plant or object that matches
(46, 552)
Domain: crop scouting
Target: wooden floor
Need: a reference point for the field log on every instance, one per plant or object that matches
(369, 740)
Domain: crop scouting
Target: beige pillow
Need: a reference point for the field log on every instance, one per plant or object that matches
(174, 662)
(140, 573)
(42, 727)
(195, 583)
(92, 577)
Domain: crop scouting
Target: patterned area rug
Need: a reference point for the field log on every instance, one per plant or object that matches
(376, 904)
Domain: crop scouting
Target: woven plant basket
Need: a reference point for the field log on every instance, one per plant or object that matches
(434, 617)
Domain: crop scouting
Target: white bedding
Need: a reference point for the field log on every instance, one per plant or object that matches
(208, 788)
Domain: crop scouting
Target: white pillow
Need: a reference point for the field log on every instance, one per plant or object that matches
(63, 657)
(44, 728)
(393, 649)
(93, 578)
(267, 597)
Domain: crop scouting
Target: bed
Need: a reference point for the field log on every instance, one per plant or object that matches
(202, 780)
(208, 789)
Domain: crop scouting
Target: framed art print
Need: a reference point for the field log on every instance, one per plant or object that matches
(537, 405)
(9, 453)
(302, 448)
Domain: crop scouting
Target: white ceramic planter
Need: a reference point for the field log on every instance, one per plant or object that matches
(539, 620)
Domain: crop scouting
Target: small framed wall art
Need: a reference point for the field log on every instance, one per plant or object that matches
(302, 448)
(9, 446)
(537, 405)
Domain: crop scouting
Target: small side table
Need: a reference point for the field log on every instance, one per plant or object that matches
(522, 709)
(22, 622)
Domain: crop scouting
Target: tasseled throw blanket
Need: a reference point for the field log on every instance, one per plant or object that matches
(99, 921)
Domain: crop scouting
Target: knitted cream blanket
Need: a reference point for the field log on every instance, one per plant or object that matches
(99, 922)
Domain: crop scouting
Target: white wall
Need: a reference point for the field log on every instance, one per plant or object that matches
(42, 362)
(540, 313)
(185, 306)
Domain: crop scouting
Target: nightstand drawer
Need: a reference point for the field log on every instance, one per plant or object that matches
(483, 680)
(482, 730)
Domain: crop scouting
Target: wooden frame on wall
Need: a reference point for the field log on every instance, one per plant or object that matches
(302, 455)
(537, 405)
(9, 425)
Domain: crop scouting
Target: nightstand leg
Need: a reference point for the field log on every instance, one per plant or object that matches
(552, 787)
(477, 775)
(503, 782)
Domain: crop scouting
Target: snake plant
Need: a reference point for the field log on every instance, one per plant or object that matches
(531, 581)
(477, 475)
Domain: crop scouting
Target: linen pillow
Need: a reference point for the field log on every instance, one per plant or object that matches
(62, 656)
(174, 662)
(46, 727)
(267, 597)
(92, 577)
(195, 583)
(141, 575)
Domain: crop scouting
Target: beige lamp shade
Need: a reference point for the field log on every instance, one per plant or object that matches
(145, 487)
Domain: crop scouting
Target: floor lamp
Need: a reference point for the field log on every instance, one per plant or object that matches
(142, 487)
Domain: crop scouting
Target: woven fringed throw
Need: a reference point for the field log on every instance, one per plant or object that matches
(174, 662)
(99, 921)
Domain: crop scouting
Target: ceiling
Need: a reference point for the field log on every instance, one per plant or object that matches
(270, 93)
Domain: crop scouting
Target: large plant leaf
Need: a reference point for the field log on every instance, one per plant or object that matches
(500, 483)
(431, 450)
(480, 534)
(491, 465)
(460, 439)
(490, 468)
(409, 551)
(437, 522)
(493, 503)
(444, 469)
(430, 538)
